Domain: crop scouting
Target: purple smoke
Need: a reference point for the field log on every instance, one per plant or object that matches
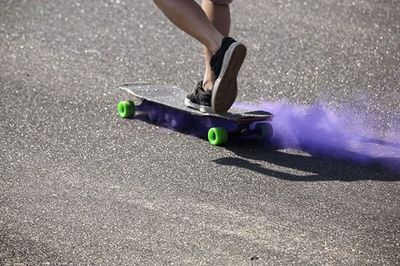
(315, 129)
(318, 130)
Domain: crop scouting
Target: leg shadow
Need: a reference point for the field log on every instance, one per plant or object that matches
(322, 168)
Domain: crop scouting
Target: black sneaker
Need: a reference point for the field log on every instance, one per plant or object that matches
(199, 99)
(226, 63)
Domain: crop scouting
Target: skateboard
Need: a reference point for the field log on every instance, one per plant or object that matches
(164, 105)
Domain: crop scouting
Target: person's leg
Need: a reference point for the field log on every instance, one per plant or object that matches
(188, 16)
(219, 15)
(226, 62)
(227, 54)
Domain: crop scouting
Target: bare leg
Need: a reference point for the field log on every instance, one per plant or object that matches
(209, 24)
(220, 17)
(188, 16)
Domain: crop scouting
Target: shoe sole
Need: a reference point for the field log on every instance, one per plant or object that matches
(225, 86)
(199, 107)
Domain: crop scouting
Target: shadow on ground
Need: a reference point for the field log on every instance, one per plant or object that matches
(322, 168)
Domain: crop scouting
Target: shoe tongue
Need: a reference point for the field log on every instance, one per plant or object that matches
(203, 90)
(200, 85)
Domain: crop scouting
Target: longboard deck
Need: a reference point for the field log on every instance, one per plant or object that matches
(173, 97)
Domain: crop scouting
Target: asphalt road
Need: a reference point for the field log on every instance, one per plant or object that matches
(78, 185)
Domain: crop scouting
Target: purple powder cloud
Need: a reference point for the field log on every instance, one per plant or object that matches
(315, 129)
(318, 130)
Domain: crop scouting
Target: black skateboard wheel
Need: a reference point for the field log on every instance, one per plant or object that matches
(264, 131)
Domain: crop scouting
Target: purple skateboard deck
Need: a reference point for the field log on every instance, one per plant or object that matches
(165, 103)
(173, 97)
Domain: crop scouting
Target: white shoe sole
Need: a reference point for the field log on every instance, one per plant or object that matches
(201, 108)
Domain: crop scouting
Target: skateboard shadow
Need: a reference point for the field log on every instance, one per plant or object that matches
(321, 168)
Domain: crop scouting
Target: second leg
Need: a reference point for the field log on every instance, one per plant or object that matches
(219, 15)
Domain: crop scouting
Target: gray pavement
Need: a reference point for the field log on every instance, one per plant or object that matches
(80, 186)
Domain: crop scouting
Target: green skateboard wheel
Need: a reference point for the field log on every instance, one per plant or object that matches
(264, 131)
(126, 109)
(217, 136)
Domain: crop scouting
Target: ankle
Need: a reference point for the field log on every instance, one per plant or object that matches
(215, 44)
(207, 85)
(213, 48)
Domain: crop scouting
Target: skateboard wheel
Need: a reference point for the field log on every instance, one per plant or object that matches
(126, 109)
(217, 136)
(263, 131)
